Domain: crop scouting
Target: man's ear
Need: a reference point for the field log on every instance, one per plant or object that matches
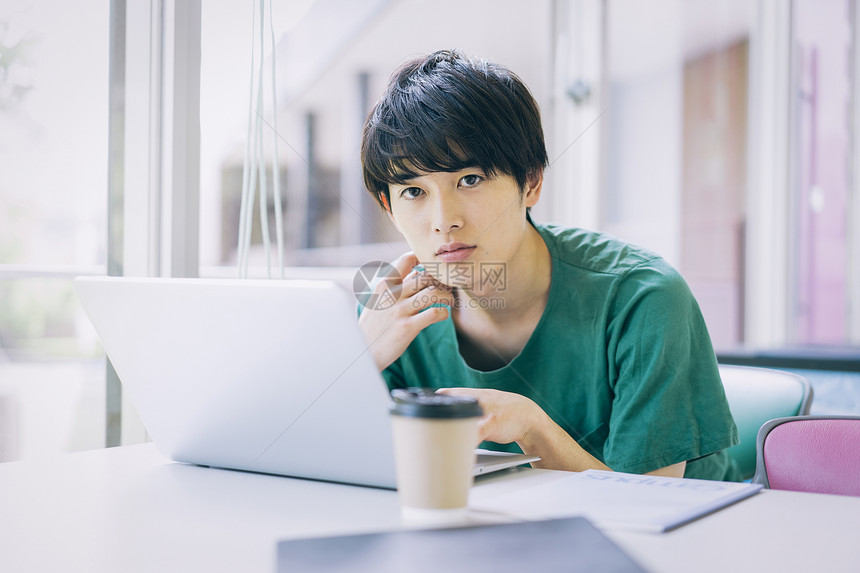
(386, 204)
(534, 184)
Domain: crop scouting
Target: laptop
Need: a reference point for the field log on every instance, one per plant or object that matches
(270, 376)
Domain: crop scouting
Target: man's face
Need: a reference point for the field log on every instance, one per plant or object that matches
(464, 223)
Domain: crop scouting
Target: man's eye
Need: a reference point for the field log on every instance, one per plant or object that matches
(471, 180)
(411, 192)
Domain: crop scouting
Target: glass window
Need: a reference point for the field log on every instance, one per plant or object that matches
(333, 60)
(684, 179)
(677, 116)
(53, 198)
(821, 152)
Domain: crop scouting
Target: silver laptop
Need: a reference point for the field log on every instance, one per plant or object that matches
(257, 375)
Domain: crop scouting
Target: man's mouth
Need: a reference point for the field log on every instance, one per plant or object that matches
(453, 252)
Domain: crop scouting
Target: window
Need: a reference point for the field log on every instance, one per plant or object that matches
(821, 152)
(677, 177)
(730, 152)
(53, 157)
(333, 60)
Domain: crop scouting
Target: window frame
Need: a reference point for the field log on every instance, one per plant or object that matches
(154, 157)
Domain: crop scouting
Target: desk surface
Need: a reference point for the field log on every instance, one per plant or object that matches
(129, 509)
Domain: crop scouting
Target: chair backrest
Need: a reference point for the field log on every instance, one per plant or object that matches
(756, 395)
(819, 454)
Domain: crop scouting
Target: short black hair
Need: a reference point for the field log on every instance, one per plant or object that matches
(447, 112)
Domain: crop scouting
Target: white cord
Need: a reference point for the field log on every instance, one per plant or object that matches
(254, 166)
(246, 185)
(261, 156)
(276, 169)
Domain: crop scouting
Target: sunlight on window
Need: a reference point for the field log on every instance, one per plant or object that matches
(53, 156)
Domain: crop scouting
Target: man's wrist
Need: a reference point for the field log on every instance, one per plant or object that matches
(537, 433)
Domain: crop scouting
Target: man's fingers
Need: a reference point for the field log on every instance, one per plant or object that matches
(404, 263)
(415, 282)
(428, 297)
(413, 279)
(392, 279)
(430, 316)
(388, 284)
(419, 280)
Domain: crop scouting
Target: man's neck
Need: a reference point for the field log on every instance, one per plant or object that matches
(525, 286)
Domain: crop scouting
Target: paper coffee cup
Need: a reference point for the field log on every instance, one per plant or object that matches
(435, 436)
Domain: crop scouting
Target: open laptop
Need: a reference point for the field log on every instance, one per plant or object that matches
(257, 375)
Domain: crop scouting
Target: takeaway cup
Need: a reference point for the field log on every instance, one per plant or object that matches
(435, 436)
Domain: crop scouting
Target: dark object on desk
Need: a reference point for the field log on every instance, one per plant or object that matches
(570, 545)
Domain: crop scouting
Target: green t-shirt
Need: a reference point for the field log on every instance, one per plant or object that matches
(621, 359)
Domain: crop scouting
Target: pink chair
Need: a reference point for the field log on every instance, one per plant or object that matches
(818, 454)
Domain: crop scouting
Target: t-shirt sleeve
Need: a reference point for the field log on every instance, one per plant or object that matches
(668, 402)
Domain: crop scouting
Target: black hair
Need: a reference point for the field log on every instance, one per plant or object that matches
(447, 112)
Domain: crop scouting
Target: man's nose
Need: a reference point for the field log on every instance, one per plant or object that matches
(446, 215)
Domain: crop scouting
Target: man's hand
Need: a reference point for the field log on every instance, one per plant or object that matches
(508, 417)
(391, 329)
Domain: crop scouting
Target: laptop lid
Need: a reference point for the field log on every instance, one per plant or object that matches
(258, 375)
(268, 376)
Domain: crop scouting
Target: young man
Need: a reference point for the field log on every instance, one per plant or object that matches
(581, 349)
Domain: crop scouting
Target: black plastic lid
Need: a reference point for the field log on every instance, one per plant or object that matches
(425, 403)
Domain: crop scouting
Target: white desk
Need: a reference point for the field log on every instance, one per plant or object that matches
(129, 509)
